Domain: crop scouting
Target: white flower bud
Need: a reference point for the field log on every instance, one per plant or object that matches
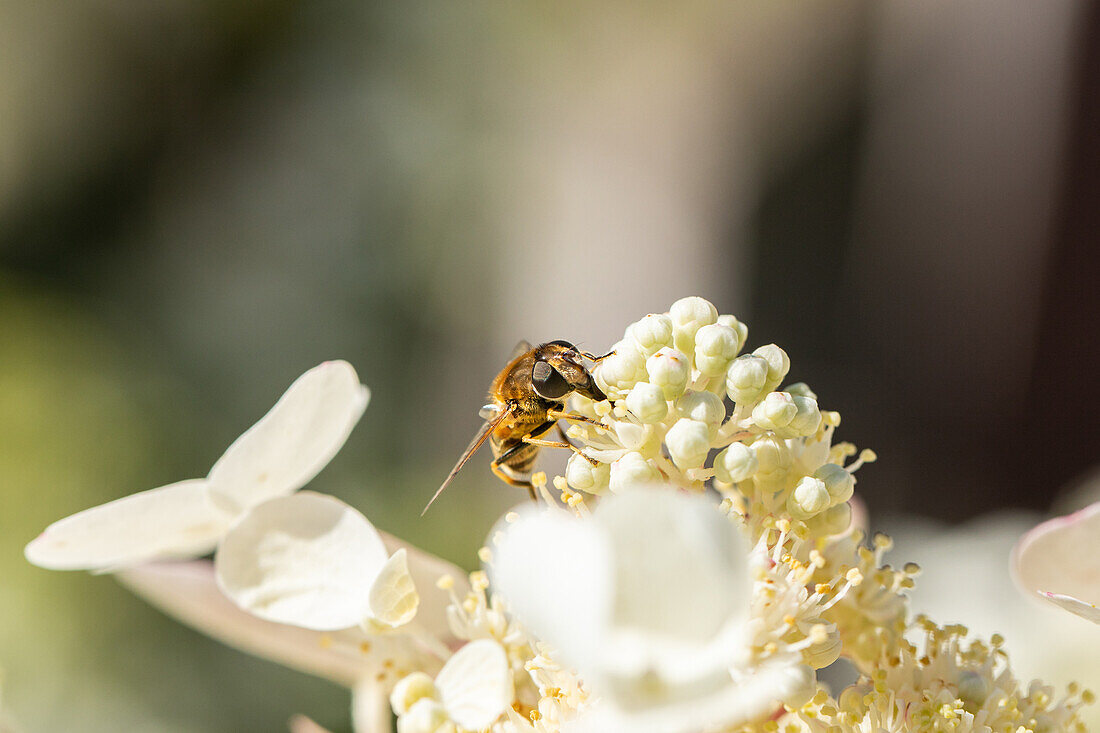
(410, 689)
(775, 411)
(834, 520)
(735, 463)
(647, 402)
(616, 374)
(651, 334)
(809, 497)
(425, 716)
(771, 455)
(807, 419)
(688, 443)
(800, 389)
(688, 316)
(715, 347)
(745, 379)
(778, 364)
(670, 370)
(739, 328)
(630, 471)
(838, 481)
(583, 476)
(705, 407)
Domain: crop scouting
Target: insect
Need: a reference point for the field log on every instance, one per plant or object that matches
(526, 400)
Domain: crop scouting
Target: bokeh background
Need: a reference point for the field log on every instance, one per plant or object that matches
(199, 200)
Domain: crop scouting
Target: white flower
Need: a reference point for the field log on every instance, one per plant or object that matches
(369, 664)
(650, 600)
(1059, 560)
(276, 456)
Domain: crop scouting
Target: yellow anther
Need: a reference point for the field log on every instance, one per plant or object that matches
(445, 582)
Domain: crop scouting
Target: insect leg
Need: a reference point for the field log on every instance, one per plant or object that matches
(533, 439)
(562, 415)
(495, 466)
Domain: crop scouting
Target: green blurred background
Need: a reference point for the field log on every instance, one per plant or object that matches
(200, 200)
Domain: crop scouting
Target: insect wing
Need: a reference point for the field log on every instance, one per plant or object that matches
(521, 348)
(482, 434)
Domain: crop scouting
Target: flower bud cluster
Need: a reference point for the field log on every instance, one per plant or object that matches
(687, 407)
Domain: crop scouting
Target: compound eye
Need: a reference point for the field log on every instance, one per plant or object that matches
(548, 381)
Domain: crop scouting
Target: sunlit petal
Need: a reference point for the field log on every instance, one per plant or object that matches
(1074, 605)
(668, 550)
(393, 597)
(426, 569)
(294, 440)
(754, 697)
(1060, 560)
(475, 685)
(556, 573)
(173, 521)
(304, 559)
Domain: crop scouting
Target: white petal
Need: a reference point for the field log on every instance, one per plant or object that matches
(1074, 605)
(1060, 560)
(752, 697)
(173, 521)
(426, 569)
(294, 440)
(393, 598)
(188, 592)
(475, 685)
(555, 573)
(668, 550)
(305, 559)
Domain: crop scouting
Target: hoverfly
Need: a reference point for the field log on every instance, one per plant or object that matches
(526, 400)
